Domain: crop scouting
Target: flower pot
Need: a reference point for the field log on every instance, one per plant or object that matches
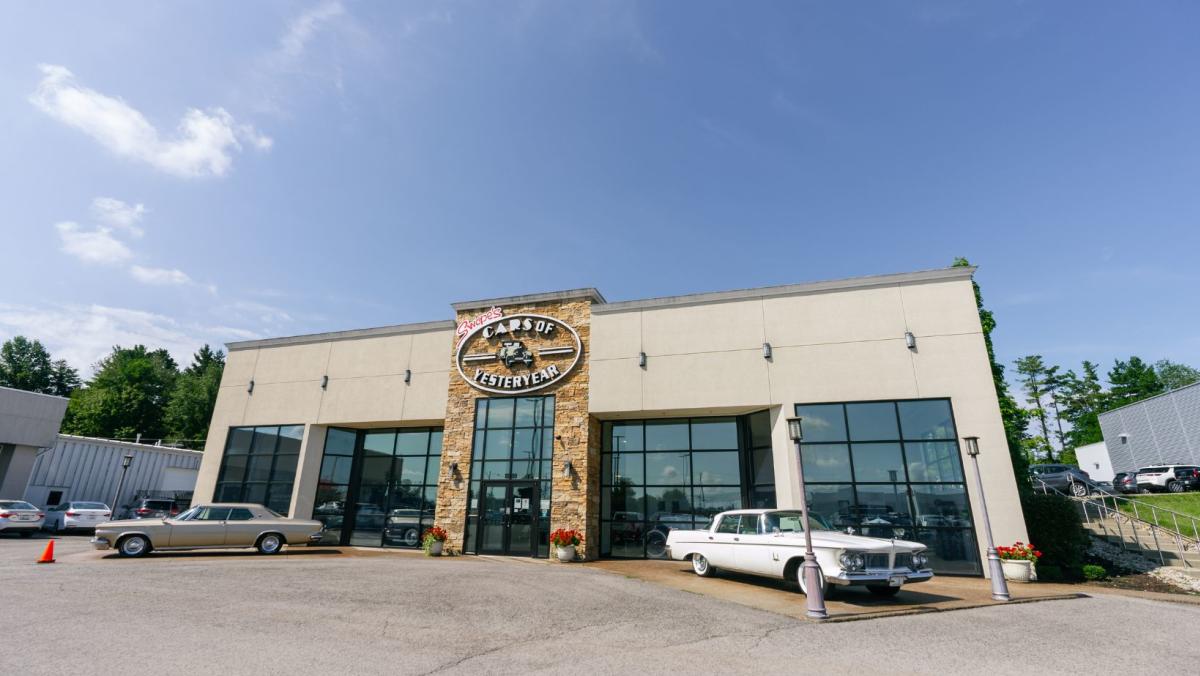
(435, 548)
(566, 553)
(1019, 571)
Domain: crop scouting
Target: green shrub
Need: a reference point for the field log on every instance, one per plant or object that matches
(1049, 573)
(1094, 572)
(1054, 528)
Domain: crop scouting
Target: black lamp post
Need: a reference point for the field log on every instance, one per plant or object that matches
(810, 569)
(999, 585)
(121, 482)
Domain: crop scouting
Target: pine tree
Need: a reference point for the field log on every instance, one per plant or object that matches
(1132, 381)
(1033, 377)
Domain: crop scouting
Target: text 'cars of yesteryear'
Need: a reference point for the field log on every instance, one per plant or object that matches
(214, 526)
(770, 542)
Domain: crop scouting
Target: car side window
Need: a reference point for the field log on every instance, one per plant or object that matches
(213, 514)
(749, 525)
(240, 514)
(728, 524)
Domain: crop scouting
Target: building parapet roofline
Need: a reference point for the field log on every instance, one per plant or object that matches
(377, 332)
(1156, 396)
(846, 284)
(588, 293)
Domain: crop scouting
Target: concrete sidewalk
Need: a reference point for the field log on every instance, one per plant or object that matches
(844, 603)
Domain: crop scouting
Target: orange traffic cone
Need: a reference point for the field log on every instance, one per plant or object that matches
(48, 553)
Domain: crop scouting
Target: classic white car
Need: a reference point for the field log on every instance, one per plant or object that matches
(770, 542)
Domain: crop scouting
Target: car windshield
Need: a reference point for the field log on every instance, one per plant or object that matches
(89, 505)
(793, 522)
(16, 504)
(188, 515)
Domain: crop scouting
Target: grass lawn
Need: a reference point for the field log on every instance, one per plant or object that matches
(1184, 503)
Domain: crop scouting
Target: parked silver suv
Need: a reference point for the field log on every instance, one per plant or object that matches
(1168, 478)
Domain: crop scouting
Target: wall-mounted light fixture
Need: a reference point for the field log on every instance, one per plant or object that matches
(1124, 438)
(324, 382)
(568, 469)
(250, 387)
(910, 340)
(642, 359)
(453, 469)
(407, 376)
(766, 350)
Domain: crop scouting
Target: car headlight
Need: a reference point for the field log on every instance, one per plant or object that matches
(852, 561)
(920, 560)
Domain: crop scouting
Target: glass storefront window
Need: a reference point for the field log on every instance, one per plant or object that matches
(378, 487)
(662, 474)
(891, 469)
(259, 466)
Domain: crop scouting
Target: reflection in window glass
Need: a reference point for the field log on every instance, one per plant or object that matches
(822, 422)
(668, 468)
(714, 434)
(666, 435)
(878, 462)
(716, 467)
(267, 475)
(826, 462)
(872, 422)
(624, 437)
(912, 489)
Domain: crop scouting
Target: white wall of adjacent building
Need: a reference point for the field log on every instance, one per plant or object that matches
(1093, 459)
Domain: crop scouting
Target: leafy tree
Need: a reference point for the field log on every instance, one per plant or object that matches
(1174, 376)
(1132, 381)
(191, 406)
(126, 397)
(25, 365)
(1013, 417)
(1083, 399)
(1034, 377)
(63, 379)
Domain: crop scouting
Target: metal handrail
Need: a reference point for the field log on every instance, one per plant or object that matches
(1182, 542)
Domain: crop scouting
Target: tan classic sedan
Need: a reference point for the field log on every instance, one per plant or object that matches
(216, 526)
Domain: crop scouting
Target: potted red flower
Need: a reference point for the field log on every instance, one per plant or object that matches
(565, 541)
(1019, 562)
(433, 540)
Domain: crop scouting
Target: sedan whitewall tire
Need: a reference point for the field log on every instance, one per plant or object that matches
(702, 567)
(133, 546)
(271, 543)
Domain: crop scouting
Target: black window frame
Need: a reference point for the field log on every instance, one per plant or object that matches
(239, 488)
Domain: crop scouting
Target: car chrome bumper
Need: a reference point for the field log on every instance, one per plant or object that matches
(883, 577)
(101, 543)
(315, 537)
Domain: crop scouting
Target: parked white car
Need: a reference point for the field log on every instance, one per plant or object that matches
(18, 516)
(76, 515)
(770, 542)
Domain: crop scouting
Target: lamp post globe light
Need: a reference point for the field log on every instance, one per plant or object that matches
(810, 570)
(995, 568)
(125, 461)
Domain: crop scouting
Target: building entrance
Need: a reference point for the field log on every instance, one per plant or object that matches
(508, 523)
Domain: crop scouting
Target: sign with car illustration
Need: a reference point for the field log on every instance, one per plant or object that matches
(518, 353)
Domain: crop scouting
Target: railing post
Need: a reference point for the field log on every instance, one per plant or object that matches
(1120, 532)
(1157, 548)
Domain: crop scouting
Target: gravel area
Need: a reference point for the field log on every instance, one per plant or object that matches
(1168, 578)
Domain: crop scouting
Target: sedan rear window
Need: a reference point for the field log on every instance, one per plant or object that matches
(159, 504)
(89, 505)
(16, 504)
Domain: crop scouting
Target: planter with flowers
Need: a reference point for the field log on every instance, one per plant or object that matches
(565, 541)
(433, 540)
(1019, 562)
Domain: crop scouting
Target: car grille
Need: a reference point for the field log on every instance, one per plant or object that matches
(903, 560)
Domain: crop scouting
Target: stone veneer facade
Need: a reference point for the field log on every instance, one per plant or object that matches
(574, 501)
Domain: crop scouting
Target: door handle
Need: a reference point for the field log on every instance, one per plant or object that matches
(709, 537)
(735, 539)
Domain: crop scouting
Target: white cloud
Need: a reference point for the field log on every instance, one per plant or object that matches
(203, 144)
(83, 334)
(267, 314)
(159, 276)
(92, 246)
(117, 214)
(302, 29)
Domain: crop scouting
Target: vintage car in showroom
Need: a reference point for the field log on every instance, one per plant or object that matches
(770, 542)
(213, 526)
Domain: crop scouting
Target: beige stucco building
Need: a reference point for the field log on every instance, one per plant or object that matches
(625, 419)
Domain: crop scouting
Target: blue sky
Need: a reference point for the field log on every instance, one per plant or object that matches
(180, 173)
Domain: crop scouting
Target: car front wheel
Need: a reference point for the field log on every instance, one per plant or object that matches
(1079, 490)
(133, 546)
(270, 543)
(1175, 487)
(804, 585)
(702, 567)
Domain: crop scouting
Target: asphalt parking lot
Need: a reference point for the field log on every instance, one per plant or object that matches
(366, 612)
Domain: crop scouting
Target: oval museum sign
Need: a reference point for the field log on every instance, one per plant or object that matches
(516, 354)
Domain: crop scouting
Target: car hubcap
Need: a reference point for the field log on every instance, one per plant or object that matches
(699, 563)
(134, 546)
(270, 543)
(410, 537)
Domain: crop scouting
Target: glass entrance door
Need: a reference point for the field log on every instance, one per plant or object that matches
(508, 518)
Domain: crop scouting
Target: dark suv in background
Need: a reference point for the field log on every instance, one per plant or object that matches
(151, 508)
(1125, 482)
(1064, 478)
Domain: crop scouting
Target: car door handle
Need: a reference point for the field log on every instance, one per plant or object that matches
(709, 537)
(735, 539)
